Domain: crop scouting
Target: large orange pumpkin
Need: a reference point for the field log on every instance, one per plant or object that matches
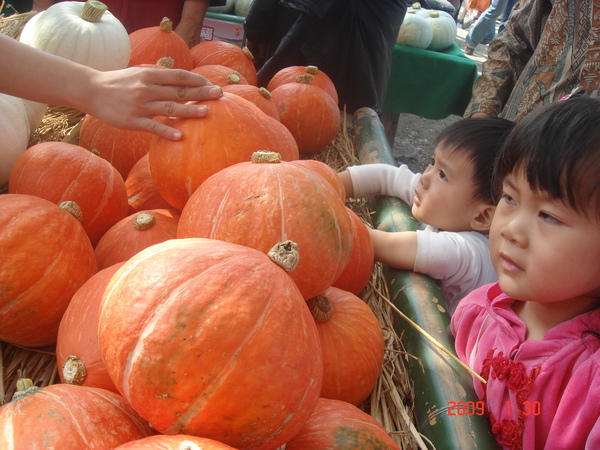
(77, 350)
(226, 54)
(59, 172)
(359, 269)
(134, 233)
(327, 172)
(150, 44)
(220, 75)
(122, 148)
(174, 442)
(310, 114)
(347, 326)
(337, 424)
(67, 417)
(259, 96)
(234, 129)
(213, 339)
(263, 202)
(289, 74)
(46, 257)
(141, 192)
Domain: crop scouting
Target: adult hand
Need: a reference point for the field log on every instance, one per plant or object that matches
(133, 97)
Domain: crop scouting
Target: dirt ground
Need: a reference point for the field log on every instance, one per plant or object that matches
(414, 136)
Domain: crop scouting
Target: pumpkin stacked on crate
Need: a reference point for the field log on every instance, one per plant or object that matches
(427, 28)
(208, 341)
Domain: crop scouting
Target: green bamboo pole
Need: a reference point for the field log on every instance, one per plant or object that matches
(438, 379)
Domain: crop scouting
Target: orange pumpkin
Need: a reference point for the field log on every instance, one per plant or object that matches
(68, 417)
(77, 351)
(262, 202)
(134, 233)
(141, 192)
(226, 54)
(175, 442)
(122, 148)
(347, 326)
(289, 74)
(220, 75)
(359, 269)
(326, 172)
(193, 331)
(337, 424)
(59, 172)
(234, 129)
(259, 96)
(46, 257)
(310, 114)
(150, 44)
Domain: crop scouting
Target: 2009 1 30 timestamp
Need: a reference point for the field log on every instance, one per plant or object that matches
(478, 408)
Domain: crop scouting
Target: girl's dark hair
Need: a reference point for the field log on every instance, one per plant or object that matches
(558, 148)
(479, 139)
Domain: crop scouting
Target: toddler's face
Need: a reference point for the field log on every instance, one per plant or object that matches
(444, 194)
(542, 249)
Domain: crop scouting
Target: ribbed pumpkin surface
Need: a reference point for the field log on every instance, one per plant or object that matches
(340, 425)
(261, 204)
(69, 417)
(212, 339)
(225, 54)
(141, 192)
(229, 134)
(45, 257)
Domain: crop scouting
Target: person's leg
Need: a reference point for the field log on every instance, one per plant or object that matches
(491, 33)
(483, 24)
(506, 13)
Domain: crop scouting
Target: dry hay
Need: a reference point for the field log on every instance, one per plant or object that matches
(391, 401)
(13, 25)
(59, 124)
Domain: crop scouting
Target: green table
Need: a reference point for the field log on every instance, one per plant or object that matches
(429, 84)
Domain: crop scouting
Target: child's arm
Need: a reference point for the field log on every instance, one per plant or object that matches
(380, 179)
(396, 249)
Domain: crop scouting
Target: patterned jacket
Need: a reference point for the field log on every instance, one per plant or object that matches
(548, 49)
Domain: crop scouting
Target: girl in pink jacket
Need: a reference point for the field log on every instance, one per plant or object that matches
(535, 335)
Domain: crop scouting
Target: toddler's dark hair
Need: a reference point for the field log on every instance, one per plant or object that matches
(558, 148)
(479, 139)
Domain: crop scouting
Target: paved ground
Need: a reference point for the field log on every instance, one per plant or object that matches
(413, 142)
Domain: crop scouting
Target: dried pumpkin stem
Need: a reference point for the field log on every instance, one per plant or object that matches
(73, 370)
(143, 221)
(264, 156)
(265, 93)
(313, 70)
(285, 254)
(72, 208)
(93, 10)
(248, 53)
(320, 308)
(166, 24)
(306, 79)
(24, 387)
(233, 78)
(166, 61)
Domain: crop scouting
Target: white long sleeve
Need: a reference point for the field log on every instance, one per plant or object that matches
(384, 179)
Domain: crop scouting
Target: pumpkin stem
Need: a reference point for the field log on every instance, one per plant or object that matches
(166, 24)
(248, 53)
(306, 79)
(143, 221)
(93, 10)
(311, 70)
(72, 208)
(434, 14)
(233, 78)
(416, 5)
(265, 92)
(264, 156)
(24, 387)
(73, 370)
(320, 308)
(285, 254)
(166, 61)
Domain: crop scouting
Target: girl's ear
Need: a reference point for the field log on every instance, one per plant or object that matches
(483, 219)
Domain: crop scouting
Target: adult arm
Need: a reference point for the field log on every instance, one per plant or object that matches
(192, 17)
(508, 55)
(128, 98)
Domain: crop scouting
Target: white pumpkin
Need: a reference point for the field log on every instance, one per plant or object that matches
(227, 8)
(35, 114)
(86, 33)
(443, 29)
(242, 7)
(415, 31)
(14, 132)
(419, 10)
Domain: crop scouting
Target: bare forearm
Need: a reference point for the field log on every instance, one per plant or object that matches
(192, 17)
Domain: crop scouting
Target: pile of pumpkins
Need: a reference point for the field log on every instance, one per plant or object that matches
(427, 28)
(201, 293)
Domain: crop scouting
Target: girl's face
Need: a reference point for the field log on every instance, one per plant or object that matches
(444, 194)
(543, 250)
